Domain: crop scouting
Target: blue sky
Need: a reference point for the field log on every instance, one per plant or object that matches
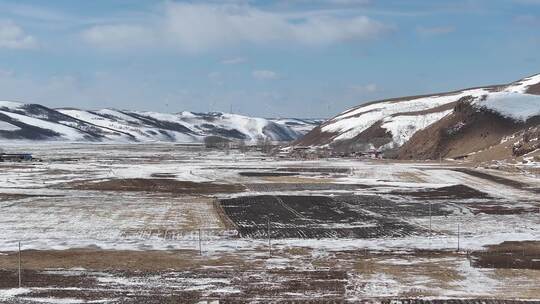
(286, 58)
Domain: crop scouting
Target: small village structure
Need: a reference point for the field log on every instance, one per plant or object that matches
(15, 157)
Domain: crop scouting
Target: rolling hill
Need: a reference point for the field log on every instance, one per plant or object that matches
(19, 121)
(453, 124)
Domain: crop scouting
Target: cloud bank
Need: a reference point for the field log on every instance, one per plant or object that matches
(200, 27)
(13, 37)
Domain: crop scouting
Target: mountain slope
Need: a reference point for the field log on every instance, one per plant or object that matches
(37, 122)
(430, 126)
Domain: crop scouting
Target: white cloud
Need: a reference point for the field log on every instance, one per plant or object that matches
(198, 27)
(433, 31)
(265, 75)
(33, 12)
(235, 60)
(119, 36)
(13, 37)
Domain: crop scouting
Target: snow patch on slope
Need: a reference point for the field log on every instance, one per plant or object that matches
(6, 126)
(349, 124)
(521, 86)
(510, 104)
(10, 104)
(68, 132)
(403, 117)
(403, 127)
(123, 125)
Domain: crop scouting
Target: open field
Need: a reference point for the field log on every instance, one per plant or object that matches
(166, 223)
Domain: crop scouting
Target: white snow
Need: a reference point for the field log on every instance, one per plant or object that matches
(10, 104)
(403, 127)
(349, 124)
(110, 125)
(6, 126)
(514, 105)
(69, 133)
(522, 85)
(197, 125)
(511, 101)
(6, 294)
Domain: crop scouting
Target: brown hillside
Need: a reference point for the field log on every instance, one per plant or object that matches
(466, 130)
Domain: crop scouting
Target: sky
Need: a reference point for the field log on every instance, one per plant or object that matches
(283, 58)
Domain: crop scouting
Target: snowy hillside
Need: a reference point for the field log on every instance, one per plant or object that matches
(36, 122)
(391, 123)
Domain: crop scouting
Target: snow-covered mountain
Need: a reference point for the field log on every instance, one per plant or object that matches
(37, 122)
(392, 123)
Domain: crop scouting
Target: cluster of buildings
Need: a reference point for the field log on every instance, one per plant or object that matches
(308, 152)
(294, 151)
(15, 157)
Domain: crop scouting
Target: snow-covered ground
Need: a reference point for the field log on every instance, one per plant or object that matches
(56, 217)
(64, 218)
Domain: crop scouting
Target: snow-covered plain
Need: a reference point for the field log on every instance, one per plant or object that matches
(56, 217)
(65, 218)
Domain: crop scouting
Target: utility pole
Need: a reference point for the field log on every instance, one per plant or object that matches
(20, 280)
(458, 237)
(430, 231)
(268, 232)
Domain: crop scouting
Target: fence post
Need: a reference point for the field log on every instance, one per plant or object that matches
(200, 243)
(20, 280)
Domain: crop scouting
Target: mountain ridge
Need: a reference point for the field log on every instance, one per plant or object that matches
(20, 121)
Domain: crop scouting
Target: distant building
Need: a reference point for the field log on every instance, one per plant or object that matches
(17, 157)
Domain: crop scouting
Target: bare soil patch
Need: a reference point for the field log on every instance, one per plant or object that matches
(159, 185)
(266, 174)
(499, 209)
(292, 184)
(450, 192)
(514, 255)
(163, 175)
(497, 179)
(16, 196)
(298, 180)
(106, 260)
(311, 217)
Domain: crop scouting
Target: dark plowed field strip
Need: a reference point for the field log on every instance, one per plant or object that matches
(450, 192)
(513, 255)
(388, 208)
(498, 208)
(498, 179)
(181, 286)
(270, 187)
(313, 217)
(266, 174)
